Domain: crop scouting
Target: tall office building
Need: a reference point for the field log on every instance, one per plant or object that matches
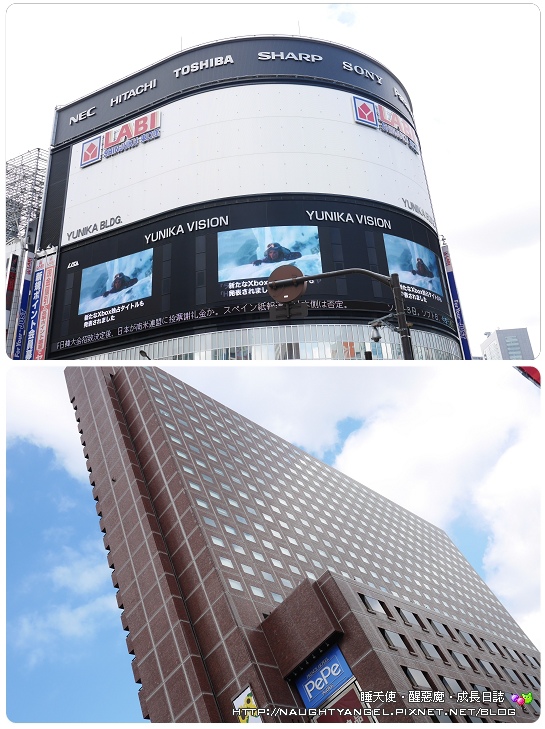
(254, 577)
(507, 344)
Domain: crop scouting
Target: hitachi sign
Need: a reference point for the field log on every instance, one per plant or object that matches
(132, 129)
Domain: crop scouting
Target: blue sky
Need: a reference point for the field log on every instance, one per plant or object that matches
(458, 445)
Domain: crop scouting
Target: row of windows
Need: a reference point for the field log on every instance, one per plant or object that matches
(376, 606)
(434, 652)
(422, 680)
(304, 341)
(295, 470)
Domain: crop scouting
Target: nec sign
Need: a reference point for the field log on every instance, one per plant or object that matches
(326, 676)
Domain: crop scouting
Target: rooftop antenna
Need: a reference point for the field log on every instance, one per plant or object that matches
(298, 27)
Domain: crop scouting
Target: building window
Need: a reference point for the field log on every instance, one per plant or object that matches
(487, 667)
(460, 659)
(236, 585)
(375, 606)
(218, 542)
(468, 639)
(246, 568)
(417, 678)
(257, 591)
(486, 694)
(430, 651)
(226, 562)
(409, 618)
(512, 675)
(440, 629)
(533, 680)
(452, 684)
(395, 640)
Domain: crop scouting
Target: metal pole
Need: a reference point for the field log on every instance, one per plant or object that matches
(404, 332)
(391, 281)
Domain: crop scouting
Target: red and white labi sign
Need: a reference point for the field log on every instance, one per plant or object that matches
(120, 139)
(132, 129)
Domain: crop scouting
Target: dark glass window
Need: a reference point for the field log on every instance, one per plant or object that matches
(533, 680)
(460, 659)
(395, 640)
(452, 684)
(408, 617)
(487, 667)
(532, 661)
(439, 628)
(467, 638)
(488, 643)
(418, 678)
(480, 688)
(429, 650)
(374, 605)
(512, 675)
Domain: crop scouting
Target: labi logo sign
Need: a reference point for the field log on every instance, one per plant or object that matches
(122, 138)
(326, 675)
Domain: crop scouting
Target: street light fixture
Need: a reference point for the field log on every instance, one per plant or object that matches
(290, 276)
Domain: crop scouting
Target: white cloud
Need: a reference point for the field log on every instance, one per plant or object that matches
(40, 633)
(81, 571)
(38, 411)
(508, 500)
(77, 598)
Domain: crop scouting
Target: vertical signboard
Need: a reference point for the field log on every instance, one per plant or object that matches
(10, 287)
(456, 303)
(23, 309)
(40, 307)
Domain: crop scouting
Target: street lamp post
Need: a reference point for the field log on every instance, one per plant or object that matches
(298, 282)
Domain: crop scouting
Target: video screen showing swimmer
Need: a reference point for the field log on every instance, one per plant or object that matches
(415, 264)
(116, 282)
(255, 252)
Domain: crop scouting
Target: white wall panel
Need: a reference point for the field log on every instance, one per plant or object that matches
(244, 141)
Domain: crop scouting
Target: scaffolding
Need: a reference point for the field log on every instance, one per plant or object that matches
(25, 181)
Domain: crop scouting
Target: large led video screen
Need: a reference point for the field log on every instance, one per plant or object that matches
(116, 282)
(240, 251)
(208, 268)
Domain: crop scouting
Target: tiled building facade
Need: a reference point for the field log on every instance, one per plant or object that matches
(240, 560)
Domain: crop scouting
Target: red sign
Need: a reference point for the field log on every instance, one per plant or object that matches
(132, 129)
(345, 709)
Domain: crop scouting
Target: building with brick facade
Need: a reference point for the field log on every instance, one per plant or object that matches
(253, 576)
